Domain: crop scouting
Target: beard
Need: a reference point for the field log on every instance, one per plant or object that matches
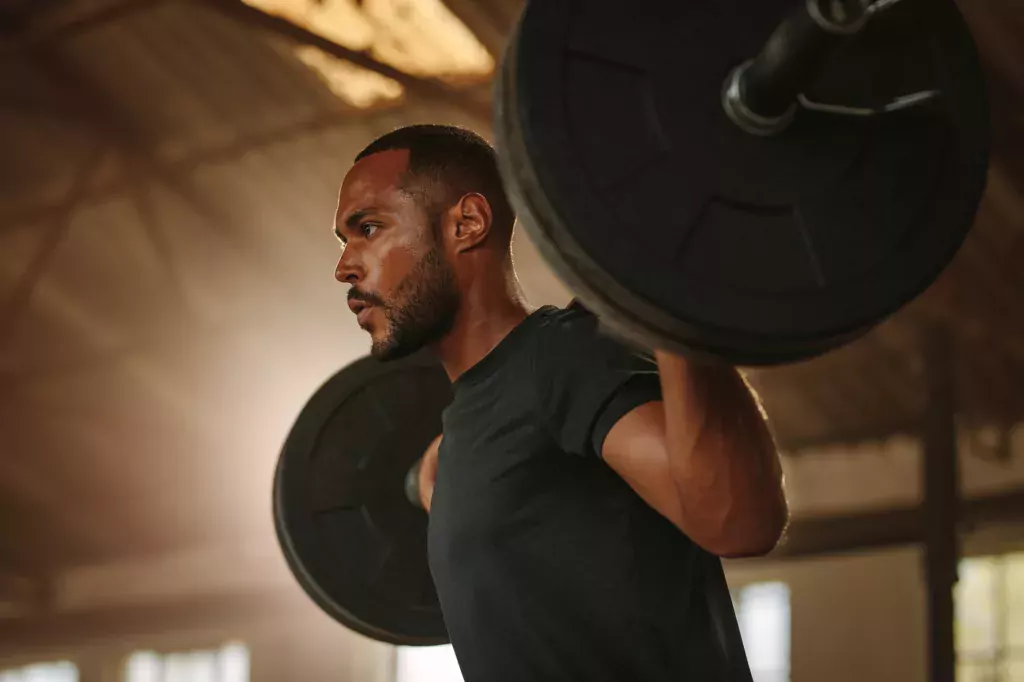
(423, 309)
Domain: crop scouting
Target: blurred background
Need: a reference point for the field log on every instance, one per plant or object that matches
(168, 174)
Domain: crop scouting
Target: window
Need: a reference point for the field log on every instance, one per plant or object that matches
(990, 619)
(427, 664)
(228, 664)
(42, 672)
(762, 610)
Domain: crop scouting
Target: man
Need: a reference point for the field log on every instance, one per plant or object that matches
(577, 482)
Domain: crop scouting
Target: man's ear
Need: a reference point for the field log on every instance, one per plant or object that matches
(472, 216)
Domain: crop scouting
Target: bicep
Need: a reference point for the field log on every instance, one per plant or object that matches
(635, 449)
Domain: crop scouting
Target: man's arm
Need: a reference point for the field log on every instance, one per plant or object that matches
(689, 438)
(703, 457)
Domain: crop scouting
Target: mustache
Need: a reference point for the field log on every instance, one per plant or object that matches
(364, 296)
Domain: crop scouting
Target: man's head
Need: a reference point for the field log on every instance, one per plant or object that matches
(421, 215)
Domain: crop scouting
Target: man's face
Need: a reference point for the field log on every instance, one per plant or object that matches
(404, 291)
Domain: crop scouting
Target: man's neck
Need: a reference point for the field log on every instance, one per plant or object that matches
(486, 316)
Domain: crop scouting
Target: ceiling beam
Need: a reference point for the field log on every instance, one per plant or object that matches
(825, 535)
(834, 437)
(74, 21)
(106, 122)
(149, 219)
(100, 115)
(108, 125)
(125, 623)
(21, 595)
(18, 299)
(429, 89)
(808, 537)
(113, 188)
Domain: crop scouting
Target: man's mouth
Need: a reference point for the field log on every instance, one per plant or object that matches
(363, 315)
(361, 309)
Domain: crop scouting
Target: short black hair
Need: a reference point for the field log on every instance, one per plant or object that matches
(447, 162)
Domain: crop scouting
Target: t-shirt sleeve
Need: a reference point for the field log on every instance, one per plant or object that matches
(587, 380)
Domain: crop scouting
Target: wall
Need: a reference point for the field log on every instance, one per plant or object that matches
(858, 617)
(888, 473)
(853, 618)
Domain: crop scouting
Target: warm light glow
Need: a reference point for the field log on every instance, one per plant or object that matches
(989, 600)
(64, 671)
(228, 664)
(427, 664)
(420, 37)
(355, 85)
(762, 611)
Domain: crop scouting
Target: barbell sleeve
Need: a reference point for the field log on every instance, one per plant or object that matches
(760, 95)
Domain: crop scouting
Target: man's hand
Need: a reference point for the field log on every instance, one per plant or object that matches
(428, 473)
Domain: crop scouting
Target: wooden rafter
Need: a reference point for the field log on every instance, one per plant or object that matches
(232, 151)
(900, 526)
(149, 220)
(17, 300)
(170, 173)
(75, 628)
(430, 89)
(51, 33)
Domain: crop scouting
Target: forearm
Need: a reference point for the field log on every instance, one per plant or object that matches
(722, 457)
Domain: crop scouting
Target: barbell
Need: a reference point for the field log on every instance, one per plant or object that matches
(758, 181)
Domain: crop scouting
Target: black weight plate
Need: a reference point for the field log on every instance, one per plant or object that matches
(352, 539)
(683, 232)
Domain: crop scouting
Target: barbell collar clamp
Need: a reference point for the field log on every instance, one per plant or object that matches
(742, 115)
(761, 95)
(846, 17)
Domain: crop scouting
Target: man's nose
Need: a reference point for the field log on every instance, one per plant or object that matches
(348, 270)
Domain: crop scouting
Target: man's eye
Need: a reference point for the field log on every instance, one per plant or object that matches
(367, 229)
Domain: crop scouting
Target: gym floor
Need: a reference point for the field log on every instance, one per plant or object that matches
(169, 175)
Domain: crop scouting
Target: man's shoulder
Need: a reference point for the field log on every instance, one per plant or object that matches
(575, 334)
(567, 320)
